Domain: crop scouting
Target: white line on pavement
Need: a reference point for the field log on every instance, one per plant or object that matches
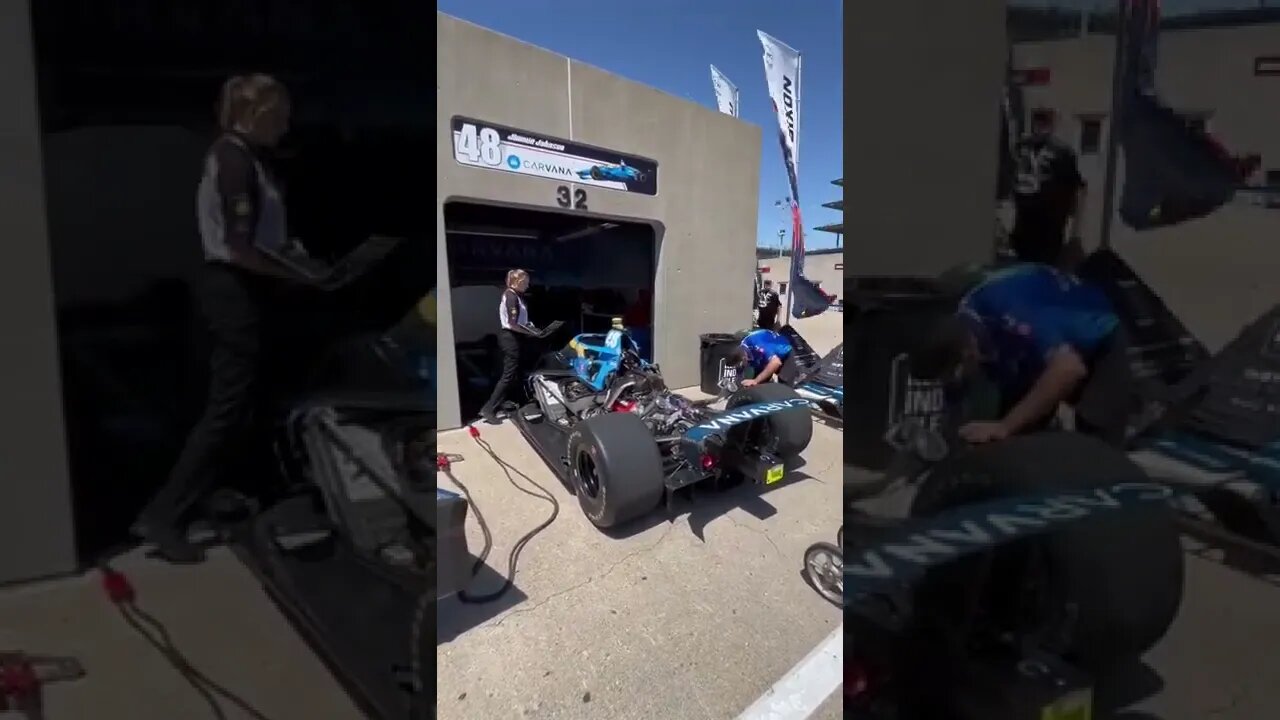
(799, 693)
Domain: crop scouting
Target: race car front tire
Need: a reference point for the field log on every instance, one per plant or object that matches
(1116, 577)
(615, 468)
(788, 432)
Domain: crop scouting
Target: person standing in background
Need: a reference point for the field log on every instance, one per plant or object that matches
(1048, 197)
(240, 210)
(767, 304)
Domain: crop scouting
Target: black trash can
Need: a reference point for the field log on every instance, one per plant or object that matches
(713, 348)
(884, 319)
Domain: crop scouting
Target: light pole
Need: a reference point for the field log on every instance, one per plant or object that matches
(785, 205)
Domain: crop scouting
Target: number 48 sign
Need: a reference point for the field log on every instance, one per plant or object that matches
(489, 146)
(480, 145)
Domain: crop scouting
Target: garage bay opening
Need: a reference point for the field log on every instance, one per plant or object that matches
(584, 271)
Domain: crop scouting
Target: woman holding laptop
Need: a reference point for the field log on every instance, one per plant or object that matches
(513, 317)
(241, 212)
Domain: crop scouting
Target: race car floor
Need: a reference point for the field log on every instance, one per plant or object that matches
(690, 616)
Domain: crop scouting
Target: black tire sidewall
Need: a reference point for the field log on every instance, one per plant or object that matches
(628, 465)
(1123, 571)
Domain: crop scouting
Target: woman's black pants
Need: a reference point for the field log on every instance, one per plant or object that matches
(233, 302)
(509, 347)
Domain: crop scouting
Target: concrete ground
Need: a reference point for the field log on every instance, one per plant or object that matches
(218, 617)
(692, 617)
(1219, 660)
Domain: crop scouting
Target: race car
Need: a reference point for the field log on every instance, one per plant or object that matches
(821, 379)
(603, 418)
(823, 384)
(618, 173)
(965, 566)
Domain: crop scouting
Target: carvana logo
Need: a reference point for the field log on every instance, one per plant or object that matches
(513, 162)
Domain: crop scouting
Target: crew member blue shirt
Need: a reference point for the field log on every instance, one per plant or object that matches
(1022, 314)
(761, 345)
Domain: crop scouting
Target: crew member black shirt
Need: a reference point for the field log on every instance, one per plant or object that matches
(767, 303)
(1047, 181)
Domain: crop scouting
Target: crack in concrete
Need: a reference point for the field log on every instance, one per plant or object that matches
(757, 531)
(590, 579)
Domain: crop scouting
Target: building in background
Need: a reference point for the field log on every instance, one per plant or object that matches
(838, 205)
(610, 218)
(1222, 72)
(824, 266)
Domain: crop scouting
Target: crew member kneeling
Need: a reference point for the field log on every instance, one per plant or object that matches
(769, 354)
(1044, 337)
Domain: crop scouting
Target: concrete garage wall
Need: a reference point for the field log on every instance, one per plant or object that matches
(708, 181)
(922, 98)
(1219, 272)
(36, 523)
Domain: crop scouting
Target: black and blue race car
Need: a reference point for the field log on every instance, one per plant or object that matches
(604, 420)
(821, 378)
(617, 173)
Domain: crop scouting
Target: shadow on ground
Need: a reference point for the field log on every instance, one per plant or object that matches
(457, 614)
(1124, 687)
(705, 502)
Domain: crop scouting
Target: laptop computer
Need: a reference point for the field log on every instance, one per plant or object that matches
(331, 277)
(545, 332)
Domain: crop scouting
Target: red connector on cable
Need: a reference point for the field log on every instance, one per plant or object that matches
(22, 678)
(118, 588)
(473, 431)
(18, 679)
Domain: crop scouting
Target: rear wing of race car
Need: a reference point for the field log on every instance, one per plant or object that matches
(696, 438)
(718, 424)
(909, 551)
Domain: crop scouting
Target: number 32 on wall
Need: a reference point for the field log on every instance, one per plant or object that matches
(579, 198)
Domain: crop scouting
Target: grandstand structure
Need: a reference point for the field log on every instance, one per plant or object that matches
(837, 228)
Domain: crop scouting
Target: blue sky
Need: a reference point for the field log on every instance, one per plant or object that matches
(669, 44)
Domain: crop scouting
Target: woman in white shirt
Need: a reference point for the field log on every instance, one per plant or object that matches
(513, 316)
(240, 210)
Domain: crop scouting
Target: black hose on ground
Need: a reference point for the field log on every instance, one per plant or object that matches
(513, 558)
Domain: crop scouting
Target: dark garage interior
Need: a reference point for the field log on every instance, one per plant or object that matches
(127, 93)
(584, 271)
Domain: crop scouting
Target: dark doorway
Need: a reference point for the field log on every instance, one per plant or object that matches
(127, 94)
(584, 271)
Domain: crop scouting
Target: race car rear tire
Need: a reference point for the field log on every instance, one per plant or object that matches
(615, 468)
(789, 431)
(1118, 575)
